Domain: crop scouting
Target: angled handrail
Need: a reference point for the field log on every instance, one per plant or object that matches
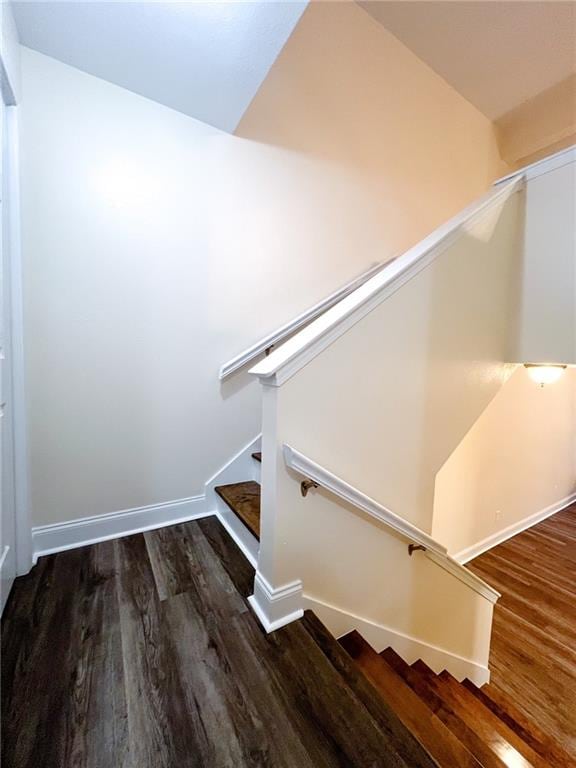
(545, 165)
(260, 347)
(418, 539)
(310, 341)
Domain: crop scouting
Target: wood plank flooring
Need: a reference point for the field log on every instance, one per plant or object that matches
(533, 653)
(143, 653)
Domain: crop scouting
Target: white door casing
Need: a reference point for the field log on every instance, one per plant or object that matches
(7, 491)
(15, 531)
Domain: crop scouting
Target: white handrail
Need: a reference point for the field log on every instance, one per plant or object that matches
(433, 549)
(540, 167)
(298, 322)
(298, 351)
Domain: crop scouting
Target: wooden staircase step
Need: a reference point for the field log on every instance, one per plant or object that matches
(420, 684)
(394, 660)
(502, 740)
(403, 741)
(529, 733)
(432, 733)
(244, 500)
(257, 456)
(517, 721)
(474, 711)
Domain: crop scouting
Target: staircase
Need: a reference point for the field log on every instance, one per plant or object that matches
(459, 724)
(394, 358)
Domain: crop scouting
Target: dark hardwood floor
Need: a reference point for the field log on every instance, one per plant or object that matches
(533, 653)
(143, 653)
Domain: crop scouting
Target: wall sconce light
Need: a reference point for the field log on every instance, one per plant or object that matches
(544, 373)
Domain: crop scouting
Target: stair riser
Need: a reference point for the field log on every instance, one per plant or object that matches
(247, 542)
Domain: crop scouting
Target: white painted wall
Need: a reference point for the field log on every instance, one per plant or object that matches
(517, 462)
(156, 248)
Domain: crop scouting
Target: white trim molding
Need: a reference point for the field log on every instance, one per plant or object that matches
(465, 555)
(276, 606)
(540, 167)
(433, 549)
(294, 325)
(298, 351)
(467, 577)
(24, 546)
(48, 539)
(340, 622)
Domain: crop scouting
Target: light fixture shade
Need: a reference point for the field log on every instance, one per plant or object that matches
(544, 373)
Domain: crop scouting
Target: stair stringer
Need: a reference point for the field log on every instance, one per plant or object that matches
(238, 469)
(379, 637)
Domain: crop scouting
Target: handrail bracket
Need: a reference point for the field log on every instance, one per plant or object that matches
(415, 547)
(305, 486)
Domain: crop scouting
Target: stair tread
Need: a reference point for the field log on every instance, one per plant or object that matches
(257, 455)
(438, 740)
(475, 712)
(419, 683)
(502, 740)
(244, 500)
(406, 745)
(529, 731)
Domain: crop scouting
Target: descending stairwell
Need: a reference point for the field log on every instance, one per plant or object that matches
(457, 723)
(341, 523)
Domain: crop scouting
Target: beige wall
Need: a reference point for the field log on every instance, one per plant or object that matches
(346, 94)
(156, 247)
(516, 461)
(388, 401)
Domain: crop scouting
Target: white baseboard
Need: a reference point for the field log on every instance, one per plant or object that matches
(465, 555)
(57, 537)
(246, 542)
(276, 607)
(47, 539)
(340, 622)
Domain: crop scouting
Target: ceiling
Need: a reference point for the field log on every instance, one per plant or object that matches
(206, 59)
(497, 54)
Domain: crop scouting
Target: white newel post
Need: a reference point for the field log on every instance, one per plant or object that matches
(277, 598)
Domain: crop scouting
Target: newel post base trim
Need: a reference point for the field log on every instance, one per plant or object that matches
(276, 607)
